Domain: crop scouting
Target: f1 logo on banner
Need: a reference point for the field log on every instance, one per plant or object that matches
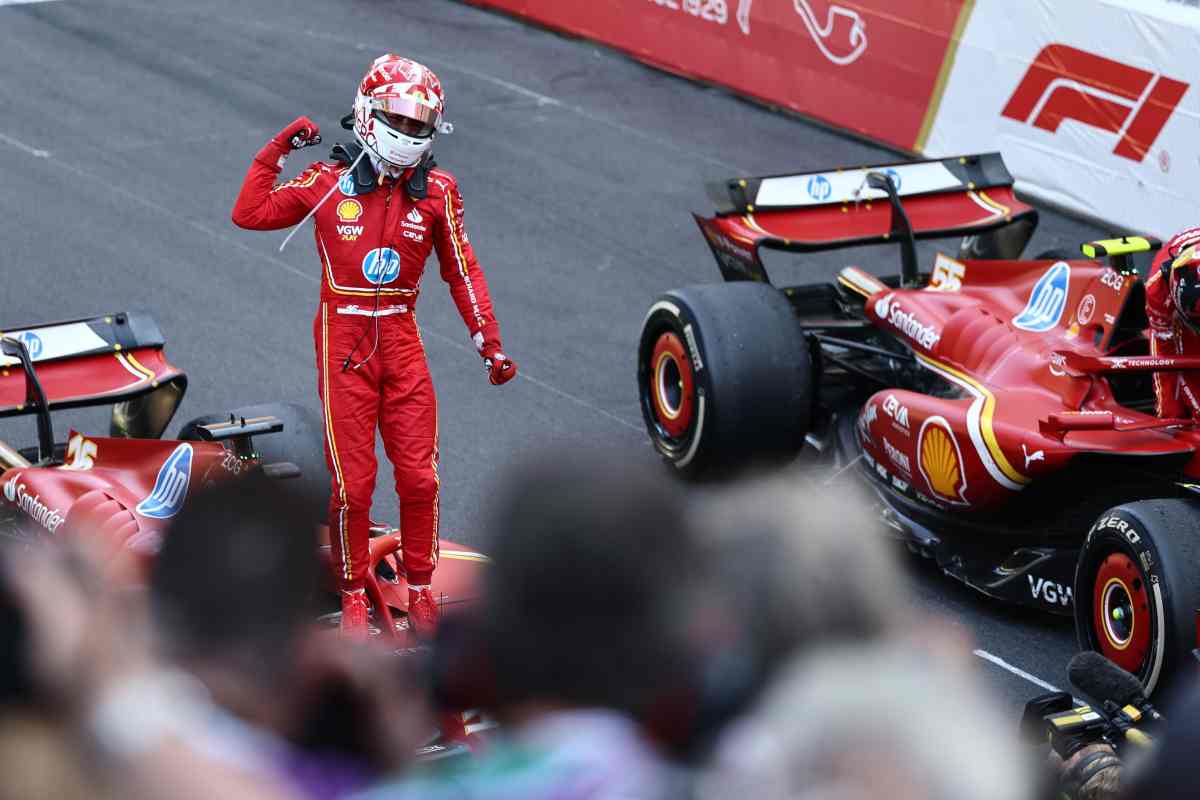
(1067, 83)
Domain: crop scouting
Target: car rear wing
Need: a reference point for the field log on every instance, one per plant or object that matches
(114, 359)
(964, 196)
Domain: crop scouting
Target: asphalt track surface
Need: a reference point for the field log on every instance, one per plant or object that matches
(127, 126)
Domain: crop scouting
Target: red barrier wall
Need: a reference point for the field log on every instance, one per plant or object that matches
(875, 67)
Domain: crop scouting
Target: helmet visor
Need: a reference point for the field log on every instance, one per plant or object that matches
(405, 115)
(1185, 287)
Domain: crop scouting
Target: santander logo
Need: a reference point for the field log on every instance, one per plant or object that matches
(889, 310)
(1066, 83)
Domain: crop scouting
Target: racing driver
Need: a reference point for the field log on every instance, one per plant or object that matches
(379, 207)
(1173, 306)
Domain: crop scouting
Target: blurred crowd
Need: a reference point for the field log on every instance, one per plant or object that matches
(629, 639)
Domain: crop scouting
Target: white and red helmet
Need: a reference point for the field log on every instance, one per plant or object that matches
(398, 110)
(1182, 268)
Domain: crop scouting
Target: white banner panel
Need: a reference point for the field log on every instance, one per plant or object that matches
(1095, 105)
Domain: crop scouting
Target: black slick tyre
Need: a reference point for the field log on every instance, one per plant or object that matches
(1137, 589)
(725, 377)
(301, 442)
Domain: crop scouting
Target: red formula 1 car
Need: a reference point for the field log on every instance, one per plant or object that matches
(127, 486)
(1001, 410)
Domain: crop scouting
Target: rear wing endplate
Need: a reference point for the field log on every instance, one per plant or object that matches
(102, 360)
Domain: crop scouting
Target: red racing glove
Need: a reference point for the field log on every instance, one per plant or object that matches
(301, 133)
(501, 369)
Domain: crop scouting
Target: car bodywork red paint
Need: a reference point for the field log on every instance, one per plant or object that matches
(1012, 381)
(1018, 343)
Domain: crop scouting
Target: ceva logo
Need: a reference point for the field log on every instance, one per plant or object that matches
(1066, 83)
(1046, 302)
(171, 485)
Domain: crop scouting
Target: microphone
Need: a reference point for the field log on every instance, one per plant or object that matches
(1100, 679)
(1114, 716)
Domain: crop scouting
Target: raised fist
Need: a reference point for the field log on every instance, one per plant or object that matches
(301, 133)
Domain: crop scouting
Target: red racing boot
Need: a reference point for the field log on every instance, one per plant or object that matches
(422, 613)
(354, 615)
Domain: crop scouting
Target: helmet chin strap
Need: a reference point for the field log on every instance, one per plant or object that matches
(385, 169)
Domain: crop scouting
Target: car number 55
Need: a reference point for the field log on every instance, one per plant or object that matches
(81, 453)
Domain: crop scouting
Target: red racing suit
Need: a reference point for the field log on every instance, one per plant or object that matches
(371, 368)
(1178, 393)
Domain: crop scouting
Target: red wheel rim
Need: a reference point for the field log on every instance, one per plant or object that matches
(1121, 612)
(671, 385)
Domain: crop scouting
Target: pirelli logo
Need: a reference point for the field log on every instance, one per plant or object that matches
(1065, 83)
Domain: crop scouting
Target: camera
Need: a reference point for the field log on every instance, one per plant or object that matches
(1119, 715)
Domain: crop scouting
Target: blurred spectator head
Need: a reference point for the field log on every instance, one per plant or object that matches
(859, 722)
(790, 567)
(16, 677)
(585, 602)
(41, 758)
(235, 580)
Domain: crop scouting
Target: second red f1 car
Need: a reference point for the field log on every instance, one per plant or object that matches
(1001, 410)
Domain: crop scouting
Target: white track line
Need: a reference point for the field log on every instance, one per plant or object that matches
(24, 148)
(22, 2)
(1020, 673)
(458, 343)
(176, 217)
(544, 100)
(555, 390)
